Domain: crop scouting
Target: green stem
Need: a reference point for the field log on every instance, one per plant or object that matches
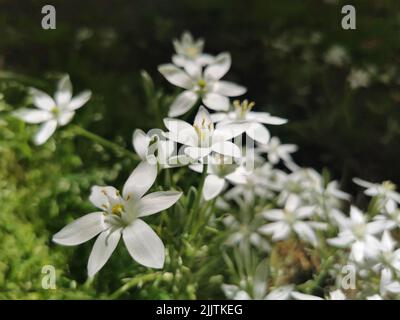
(134, 282)
(199, 194)
(105, 143)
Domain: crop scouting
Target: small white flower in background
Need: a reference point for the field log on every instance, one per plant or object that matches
(277, 151)
(52, 113)
(359, 79)
(387, 286)
(204, 84)
(391, 213)
(155, 149)
(121, 214)
(357, 233)
(292, 219)
(189, 50)
(244, 229)
(200, 138)
(259, 285)
(242, 119)
(388, 257)
(336, 55)
(220, 169)
(384, 190)
(334, 295)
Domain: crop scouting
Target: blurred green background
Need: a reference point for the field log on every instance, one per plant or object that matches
(282, 52)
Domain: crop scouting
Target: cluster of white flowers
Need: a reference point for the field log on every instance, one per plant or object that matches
(267, 197)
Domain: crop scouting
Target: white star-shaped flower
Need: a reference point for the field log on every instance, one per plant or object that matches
(242, 119)
(204, 84)
(121, 214)
(357, 233)
(189, 50)
(201, 138)
(52, 113)
(292, 218)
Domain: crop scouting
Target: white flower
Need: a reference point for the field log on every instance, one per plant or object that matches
(121, 214)
(334, 295)
(391, 214)
(245, 230)
(387, 286)
(277, 151)
(52, 113)
(242, 119)
(357, 233)
(189, 50)
(201, 138)
(388, 257)
(204, 84)
(155, 149)
(260, 290)
(385, 190)
(336, 55)
(219, 170)
(291, 219)
(358, 78)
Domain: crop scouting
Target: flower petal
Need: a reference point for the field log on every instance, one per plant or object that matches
(227, 148)
(80, 230)
(216, 102)
(102, 249)
(180, 131)
(64, 91)
(228, 89)
(305, 232)
(258, 132)
(176, 76)
(32, 115)
(79, 100)
(65, 117)
(45, 132)
(42, 100)
(219, 67)
(140, 180)
(158, 201)
(140, 141)
(196, 152)
(213, 186)
(100, 194)
(182, 103)
(144, 245)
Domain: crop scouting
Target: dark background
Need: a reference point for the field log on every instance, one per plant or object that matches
(277, 49)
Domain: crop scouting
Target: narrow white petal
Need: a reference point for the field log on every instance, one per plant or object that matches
(102, 249)
(196, 153)
(157, 201)
(341, 241)
(144, 245)
(280, 293)
(306, 233)
(140, 141)
(229, 89)
(140, 180)
(227, 148)
(99, 196)
(42, 100)
(219, 67)
(182, 103)
(45, 132)
(259, 133)
(65, 117)
(80, 230)
(213, 186)
(266, 118)
(64, 91)
(79, 100)
(357, 251)
(32, 115)
(274, 214)
(180, 131)
(216, 102)
(176, 76)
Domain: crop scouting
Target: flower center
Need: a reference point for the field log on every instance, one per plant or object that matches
(359, 230)
(204, 132)
(118, 209)
(55, 110)
(192, 52)
(388, 186)
(242, 108)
